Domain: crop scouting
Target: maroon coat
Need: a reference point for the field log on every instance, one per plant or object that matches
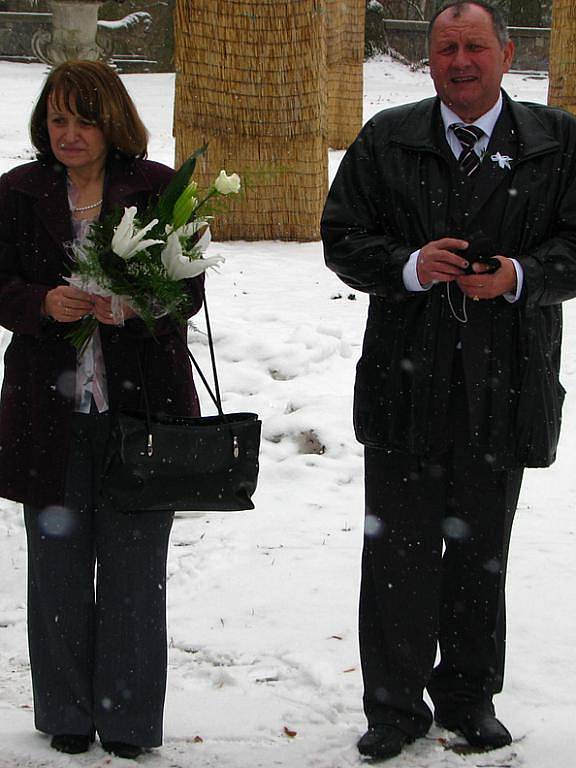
(37, 400)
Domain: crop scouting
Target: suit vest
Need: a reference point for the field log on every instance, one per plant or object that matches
(487, 342)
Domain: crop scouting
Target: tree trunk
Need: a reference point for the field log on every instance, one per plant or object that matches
(251, 81)
(345, 52)
(562, 89)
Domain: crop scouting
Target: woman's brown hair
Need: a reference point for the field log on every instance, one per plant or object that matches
(94, 91)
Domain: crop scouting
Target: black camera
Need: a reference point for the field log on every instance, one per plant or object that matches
(480, 250)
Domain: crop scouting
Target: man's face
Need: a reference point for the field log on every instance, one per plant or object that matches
(467, 61)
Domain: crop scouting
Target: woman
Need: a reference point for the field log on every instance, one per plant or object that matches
(98, 654)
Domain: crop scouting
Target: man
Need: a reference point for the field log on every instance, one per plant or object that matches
(457, 388)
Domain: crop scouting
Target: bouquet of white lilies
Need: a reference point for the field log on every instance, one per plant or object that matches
(141, 258)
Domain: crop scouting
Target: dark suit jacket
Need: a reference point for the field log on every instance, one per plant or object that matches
(37, 399)
(396, 190)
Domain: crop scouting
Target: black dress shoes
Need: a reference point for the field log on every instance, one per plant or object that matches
(121, 749)
(383, 741)
(71, 743)
(479, 727)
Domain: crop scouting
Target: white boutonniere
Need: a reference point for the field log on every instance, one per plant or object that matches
(502, 160)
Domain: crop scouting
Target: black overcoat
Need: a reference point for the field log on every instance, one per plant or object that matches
(393, 193)
(37, 400)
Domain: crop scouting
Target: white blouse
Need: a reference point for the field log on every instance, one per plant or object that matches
(91, 383)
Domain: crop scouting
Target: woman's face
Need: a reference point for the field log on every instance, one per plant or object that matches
(76, 142)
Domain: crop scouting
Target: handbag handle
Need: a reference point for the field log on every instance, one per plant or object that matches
(214, 395)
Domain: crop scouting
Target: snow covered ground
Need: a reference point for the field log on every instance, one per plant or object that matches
(262, 605)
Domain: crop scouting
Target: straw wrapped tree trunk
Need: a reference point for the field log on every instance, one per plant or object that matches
(251, 82)
(345, 54)
(562, 89)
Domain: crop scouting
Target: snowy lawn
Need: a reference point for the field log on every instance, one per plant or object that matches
(264, 664)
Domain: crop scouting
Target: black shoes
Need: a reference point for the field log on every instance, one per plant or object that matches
(121, 749)
(383, 741)
(70, 743)
(479, 727)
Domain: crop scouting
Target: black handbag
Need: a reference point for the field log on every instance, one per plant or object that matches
(170, 463)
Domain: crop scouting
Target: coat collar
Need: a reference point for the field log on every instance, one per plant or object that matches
(518, 134)
(45, 183)
(419, 130)
(124, 180)
(123, 177)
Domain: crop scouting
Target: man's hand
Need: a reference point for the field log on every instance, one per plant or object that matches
(438, 263)
(483, 285)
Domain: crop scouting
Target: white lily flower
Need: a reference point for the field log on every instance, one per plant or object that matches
(227, 185)
(178, 266)
(127, 241)
(189, 230)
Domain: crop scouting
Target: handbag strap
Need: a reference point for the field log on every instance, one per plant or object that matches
(217, 400)
(214, 394)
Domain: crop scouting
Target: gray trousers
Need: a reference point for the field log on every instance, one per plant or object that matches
(97, 606)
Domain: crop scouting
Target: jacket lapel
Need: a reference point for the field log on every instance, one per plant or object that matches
(420, 131)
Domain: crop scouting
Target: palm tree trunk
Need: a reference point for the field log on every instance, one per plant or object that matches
(562, 89)
(250, 80)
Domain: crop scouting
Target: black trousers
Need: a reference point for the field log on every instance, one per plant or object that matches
(97, 607)
(433, 575)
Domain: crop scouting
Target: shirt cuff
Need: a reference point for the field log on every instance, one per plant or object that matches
(514, 297)
(410, 274)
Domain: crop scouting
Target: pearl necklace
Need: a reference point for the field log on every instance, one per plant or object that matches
(81, 208)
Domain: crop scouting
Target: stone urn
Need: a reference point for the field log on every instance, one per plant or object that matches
(73, 34)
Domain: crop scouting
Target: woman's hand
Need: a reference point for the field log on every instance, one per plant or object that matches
(102, 311)
(67, 304)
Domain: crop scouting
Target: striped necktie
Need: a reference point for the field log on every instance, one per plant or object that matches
(468, 135)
